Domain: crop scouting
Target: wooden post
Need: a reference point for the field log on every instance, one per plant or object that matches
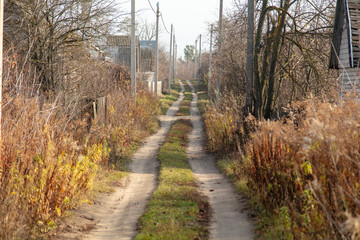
(1, 64)
(94, 107)
(250, 54)
(219, 51)
(199, 77)
(157, 50)
(210, 59)
(175, 67)
(171, 41)
(195, 73)
(174, 58)
(133, 50)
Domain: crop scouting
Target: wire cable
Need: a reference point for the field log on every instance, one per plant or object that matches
(151, 6)
(160, 15)
(164, 23)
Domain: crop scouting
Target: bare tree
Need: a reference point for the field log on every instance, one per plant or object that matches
(49, 28)
(292, 43)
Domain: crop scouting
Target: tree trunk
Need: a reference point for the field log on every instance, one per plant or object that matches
(257, 83)
(276, 44)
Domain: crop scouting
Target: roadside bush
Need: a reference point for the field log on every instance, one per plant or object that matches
(227, 130)
(49, 158)
(311, 167)
(42, 169)
(128, 121)
(304, 168)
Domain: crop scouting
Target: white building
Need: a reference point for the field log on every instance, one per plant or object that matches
(345, 51)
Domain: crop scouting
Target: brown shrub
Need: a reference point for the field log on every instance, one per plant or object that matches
(312, 168)
(49, 156)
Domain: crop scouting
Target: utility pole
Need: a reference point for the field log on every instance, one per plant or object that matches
(157, 49)
(195, 74)
(169, 83)
(199, 77)
(174, 58)
(219, 51)
(133, 50)
(1, 61)
(210, 58)
(250, 54)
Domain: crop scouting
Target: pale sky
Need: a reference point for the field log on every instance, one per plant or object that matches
(189, 17)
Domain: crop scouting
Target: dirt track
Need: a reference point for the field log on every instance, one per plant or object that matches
(118, 219)
(115, 216)
(230, 220)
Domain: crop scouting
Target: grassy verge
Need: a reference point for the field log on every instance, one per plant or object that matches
(107, 179)
(167, 100)
(203, 98)
(176, 210)
(184, 109)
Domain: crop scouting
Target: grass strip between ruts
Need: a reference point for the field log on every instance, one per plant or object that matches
(167, 100)
(176, 210)
(184, 109)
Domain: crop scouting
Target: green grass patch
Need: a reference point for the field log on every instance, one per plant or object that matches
(167, 99)
(176, 210)
(184, 109)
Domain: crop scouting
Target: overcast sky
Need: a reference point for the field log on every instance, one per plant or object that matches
(189, 17)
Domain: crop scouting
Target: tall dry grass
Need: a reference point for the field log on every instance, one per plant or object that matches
(311, 165)
(304, 168)
(226, 128)
(49, 158)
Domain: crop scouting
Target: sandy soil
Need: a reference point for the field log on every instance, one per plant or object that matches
(230, 218)
(115, 216)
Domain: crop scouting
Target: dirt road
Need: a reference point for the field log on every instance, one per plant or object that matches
(116, 216)
(230, 220)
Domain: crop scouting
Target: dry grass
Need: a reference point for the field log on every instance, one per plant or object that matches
(304, 169)
(49, 158)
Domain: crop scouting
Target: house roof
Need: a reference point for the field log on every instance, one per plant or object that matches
(347, 14)
(119, 40)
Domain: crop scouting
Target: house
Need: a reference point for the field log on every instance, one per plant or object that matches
(147, 52)
(345, 51)
(117, 48)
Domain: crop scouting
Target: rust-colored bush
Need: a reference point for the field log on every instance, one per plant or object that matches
(49, 157)
(312, 168)
(226, 128)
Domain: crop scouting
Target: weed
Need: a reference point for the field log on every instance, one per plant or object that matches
(167, 100)
(176, 210)
(184, 109)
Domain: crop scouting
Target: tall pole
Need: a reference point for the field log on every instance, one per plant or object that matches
(210, 58)
(195, 74)
(199, 76)
(250, 54)
(219, 51)
(157, 49)
(133, 50)
(169, 83)
(1, 62)
(174, 58)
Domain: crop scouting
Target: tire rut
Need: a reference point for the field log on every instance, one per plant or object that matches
(230, 219)
(117, 217)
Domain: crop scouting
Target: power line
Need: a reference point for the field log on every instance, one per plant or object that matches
(164, 23)
(151, 7)
(162, 18)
